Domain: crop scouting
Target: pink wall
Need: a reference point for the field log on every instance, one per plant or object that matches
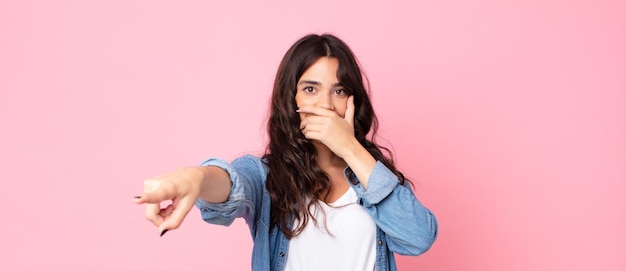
(510, 116)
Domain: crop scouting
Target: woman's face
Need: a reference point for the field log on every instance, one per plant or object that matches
(320, 87)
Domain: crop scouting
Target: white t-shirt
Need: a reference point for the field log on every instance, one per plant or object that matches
(350, 245)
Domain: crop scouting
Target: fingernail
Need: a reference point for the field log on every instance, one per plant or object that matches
(163, 232)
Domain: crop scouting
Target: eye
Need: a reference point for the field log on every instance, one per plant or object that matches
(308, 89)
(341, 92)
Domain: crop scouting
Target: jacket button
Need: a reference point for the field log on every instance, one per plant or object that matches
(380, 242)
(281, 254)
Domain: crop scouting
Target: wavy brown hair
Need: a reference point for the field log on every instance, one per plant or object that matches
(294, 175)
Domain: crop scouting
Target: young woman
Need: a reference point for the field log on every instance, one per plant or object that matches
(323, 196)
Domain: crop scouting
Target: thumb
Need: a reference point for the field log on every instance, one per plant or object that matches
(349, 116)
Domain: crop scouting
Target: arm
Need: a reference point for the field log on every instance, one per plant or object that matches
(360, 161)
(209, 183)
(215, 185)
(246, 178)
(410, 228)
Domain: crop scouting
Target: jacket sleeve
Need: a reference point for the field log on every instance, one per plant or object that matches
(247, 175)
(410, 228)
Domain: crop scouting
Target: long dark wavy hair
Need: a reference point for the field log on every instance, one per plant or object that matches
(294, 175)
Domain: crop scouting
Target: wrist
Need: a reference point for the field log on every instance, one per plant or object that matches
(353, 150)
(191, 179)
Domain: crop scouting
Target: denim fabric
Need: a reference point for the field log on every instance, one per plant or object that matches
(404, 225)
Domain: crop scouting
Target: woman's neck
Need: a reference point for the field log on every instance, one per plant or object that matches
(326, 159)
(333, 166)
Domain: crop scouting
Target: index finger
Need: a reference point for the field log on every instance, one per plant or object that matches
(156, 191)
(312, 109)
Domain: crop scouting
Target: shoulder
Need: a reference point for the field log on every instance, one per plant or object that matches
(249, 159)
(252, 163)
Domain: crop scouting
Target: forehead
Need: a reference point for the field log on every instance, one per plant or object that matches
(323, 70)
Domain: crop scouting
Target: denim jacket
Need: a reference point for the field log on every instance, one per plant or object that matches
(403, 225)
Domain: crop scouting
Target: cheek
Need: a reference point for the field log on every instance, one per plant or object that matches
(342, 113)
(300, 101)
(340, 108)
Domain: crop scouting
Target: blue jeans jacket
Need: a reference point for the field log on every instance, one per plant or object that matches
(404, 225)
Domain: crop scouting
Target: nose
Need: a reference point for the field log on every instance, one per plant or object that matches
(324, 100)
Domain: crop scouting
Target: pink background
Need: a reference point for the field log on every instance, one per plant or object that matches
(510, 116)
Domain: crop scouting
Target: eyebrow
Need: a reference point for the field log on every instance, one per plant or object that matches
(316, 83)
